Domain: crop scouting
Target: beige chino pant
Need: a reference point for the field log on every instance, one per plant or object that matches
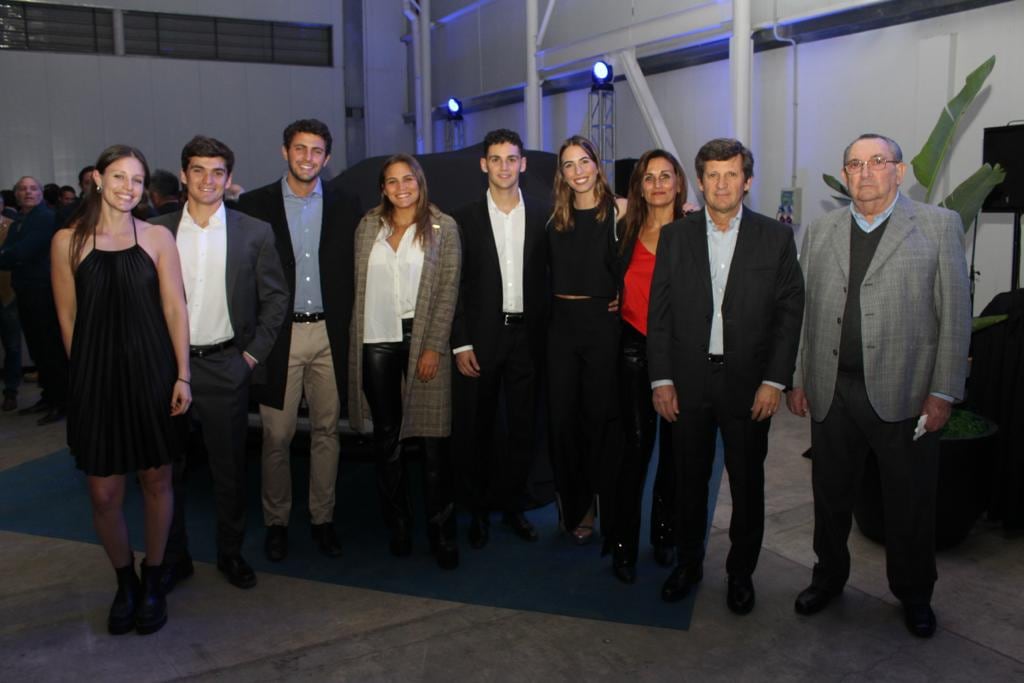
(310, 371)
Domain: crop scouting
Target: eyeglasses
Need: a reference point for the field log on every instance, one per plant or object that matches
(875, 163)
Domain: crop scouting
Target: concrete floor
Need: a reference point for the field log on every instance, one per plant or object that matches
(54, 595)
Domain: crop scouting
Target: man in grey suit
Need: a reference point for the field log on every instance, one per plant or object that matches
(237, 299)
(883, 355)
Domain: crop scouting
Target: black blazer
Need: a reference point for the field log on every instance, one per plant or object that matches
(762, 309)
(256, 291)
(26, 251)
(478, 316)
(341, 214)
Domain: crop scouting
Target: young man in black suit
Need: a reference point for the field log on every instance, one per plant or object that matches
(314, 229)
(498, 337)
(237, 298)
(723, 328)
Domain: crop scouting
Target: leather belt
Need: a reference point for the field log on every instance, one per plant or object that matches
(716, 358)
(201, 351)
(514, 318)
(307, 317)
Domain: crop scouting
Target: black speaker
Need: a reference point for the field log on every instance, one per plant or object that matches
(1005, 146)
(623, 169)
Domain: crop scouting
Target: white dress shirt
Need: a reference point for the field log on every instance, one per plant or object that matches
(203, 253)
(509, 231)
(392, 284)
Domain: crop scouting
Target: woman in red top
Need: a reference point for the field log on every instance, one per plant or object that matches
(657, 196)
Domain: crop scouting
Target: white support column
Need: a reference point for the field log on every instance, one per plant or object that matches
(532, 93)
(426, 65)
(647, 105)
(741, 50)
(414, 31)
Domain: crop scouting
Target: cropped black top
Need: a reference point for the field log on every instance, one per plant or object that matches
(583, 257)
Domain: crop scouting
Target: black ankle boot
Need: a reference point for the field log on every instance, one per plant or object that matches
(152, 612)
(122, 612)
(401, 537)
(442, 534)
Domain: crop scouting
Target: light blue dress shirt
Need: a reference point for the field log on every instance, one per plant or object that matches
(305, 219)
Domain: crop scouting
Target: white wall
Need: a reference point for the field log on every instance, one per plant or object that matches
(893, 81)
(60, 110)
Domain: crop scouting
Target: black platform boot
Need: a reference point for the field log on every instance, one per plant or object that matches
(439, 498)
(152, 611)
(122, 611)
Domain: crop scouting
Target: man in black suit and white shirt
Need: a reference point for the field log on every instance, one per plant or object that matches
(237, 299)
(498, 337)
(314, 230)
(723, 328)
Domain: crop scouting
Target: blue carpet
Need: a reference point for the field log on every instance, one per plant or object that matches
(47, 497)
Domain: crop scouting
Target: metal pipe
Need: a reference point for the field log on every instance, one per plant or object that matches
(796, 80)
(544, 23)
(118, 30)
(409, 8)
(741, 50)
(532, 94)
(426, 65)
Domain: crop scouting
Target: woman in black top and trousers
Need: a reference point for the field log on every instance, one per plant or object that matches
(584, 334)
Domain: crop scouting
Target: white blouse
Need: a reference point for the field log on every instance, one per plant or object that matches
(392, 283)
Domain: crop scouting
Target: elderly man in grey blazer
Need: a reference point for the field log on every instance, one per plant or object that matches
(883, 356)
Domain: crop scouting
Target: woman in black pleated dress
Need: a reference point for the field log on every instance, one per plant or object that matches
(121, 306)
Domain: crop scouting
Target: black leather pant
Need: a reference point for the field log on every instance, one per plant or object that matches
(640, 426)
(384, 366)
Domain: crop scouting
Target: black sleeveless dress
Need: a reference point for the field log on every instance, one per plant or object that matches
(122, 368)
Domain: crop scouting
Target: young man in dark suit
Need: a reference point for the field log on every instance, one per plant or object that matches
(723, 328)
(314, 229)
(498, 337)
(237, 298)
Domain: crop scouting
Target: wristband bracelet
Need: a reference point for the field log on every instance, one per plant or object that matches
(185, 381)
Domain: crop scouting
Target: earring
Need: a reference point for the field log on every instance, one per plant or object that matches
(99, 188)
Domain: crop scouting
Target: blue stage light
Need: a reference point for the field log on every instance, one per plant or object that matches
(454, 106)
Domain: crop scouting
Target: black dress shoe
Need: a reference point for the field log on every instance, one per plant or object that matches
(276, 543)
(813, 599)
(680, 582)
(174, 572)
(520, 525)
(326, 540)
(623, 565)
(40, 406)
(10, 403)
(740, 596)
(446, 553)
(237, 571)
(479, 531)
(55, 415)
(920, 619)
(665, 555)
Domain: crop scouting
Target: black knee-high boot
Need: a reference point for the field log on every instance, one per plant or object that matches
(438, 493)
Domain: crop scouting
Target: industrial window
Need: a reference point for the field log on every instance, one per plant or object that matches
(236, 40)
(61, 28)
(55, 28)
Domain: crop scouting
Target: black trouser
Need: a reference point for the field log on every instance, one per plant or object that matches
(909, 475)
(39, 324)
(746, 445)
(220, 410)
(582, 345)
(384, 366)
(489, 477)
(640, 424)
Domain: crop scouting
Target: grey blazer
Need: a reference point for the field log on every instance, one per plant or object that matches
(426, 406)
(258, 297)
(915, 310)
